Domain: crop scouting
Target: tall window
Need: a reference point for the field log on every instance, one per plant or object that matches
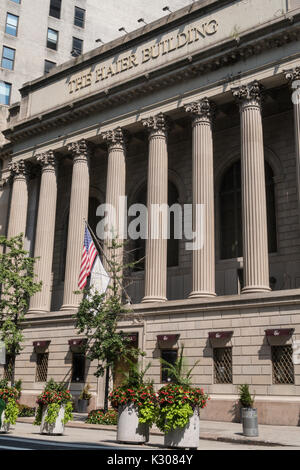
(48, 66)
(8, 58)
(231, 234)
(52, 39)
(79, 17)
(173, 243)
(170, 356)
(11, 26)
(55, 8)
(223, 365)
(41, 367)
(5, 92)
(77, 46)
(78, 367)
(9, 367)
(283, 365)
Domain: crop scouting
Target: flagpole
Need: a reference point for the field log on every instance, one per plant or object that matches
(106, 258)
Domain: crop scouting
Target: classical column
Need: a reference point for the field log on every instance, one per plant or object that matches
(293, 76)
(255, 236)
(203, 195)
(156, 244)
(79, 205)
(45, 229)
(19, 199)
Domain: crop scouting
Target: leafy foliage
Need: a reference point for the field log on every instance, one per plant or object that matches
(100, 417)
(178, 371)
(11, 411)
(9, 393)
(53, 397)
(18, 284)
(246, 400)
(85, 395)
(25, 411)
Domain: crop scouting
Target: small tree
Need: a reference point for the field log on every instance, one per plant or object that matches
(17, 285)
(97, 318)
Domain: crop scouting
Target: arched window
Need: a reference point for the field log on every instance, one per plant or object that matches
(231, 232)
(173, 244)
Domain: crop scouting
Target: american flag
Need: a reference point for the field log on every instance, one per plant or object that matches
(89, 254)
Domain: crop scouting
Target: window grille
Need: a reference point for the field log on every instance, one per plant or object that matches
(283, 366)
(9, 367)
(223, 365)
(41, 367)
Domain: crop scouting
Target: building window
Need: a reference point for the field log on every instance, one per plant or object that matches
(79, 17)
(8, 58)
(283, 366)
(78, 367)
(173, 243)
(11, 24)
(77, 47)
(41, 367)
(52, 39)
(5, 92)
(170, 356)
(55, 8)
(48, 66)
(223, 365)
(231, 233)
(9, 367)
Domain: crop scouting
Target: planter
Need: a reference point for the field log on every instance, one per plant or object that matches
(187, 437)
(56, 428)
(129, 428)
(82, 406)
(249, 421)
(4, 426)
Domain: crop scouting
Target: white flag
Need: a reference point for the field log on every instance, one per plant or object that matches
(99, 278)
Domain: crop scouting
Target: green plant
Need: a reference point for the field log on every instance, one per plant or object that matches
(17, 280)
(178, 400)
(246, 400)
(11, 411)
(177, 404)
(8, 398)
(85, 395)
(18, 386)
(53, 397)
(3, 383)
(26, 411)
(100, 417)
(178, 371)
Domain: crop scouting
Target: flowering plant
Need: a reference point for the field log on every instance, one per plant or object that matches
(9, 393)
(8, 404)
(143, 397)
(53, 397)
(100, 417)
(177, 405)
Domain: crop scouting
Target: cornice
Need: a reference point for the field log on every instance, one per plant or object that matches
(213, 58)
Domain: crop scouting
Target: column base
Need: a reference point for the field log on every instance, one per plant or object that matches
(65, 308)
(154, 300)
(40, 311)
(256, 289)
(202, 295)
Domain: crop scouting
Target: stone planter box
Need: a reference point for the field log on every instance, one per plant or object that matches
(4, 426)
(187, 437)
(56, 428)
(82, 406)
(249, 421)
(129, 428)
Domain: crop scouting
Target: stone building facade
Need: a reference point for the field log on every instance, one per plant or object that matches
(198, 108)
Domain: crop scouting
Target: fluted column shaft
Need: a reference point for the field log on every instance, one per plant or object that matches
(156, 244)
(203, 194)
(255, 231)
(45, 230)
(79, 205)
(293, 76)
(19, 200)
(115, 193)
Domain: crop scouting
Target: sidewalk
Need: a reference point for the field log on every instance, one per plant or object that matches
(214, 431)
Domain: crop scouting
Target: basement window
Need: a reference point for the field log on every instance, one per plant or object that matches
(41, 367)
(283, 366)
(223, 365)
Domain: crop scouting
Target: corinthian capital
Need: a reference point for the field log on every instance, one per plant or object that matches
(115, 138)
(249, 94)
(202, 110)
(79, 150)
(293, 75)
(157, 124)
(47, 159)
(18, 169)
